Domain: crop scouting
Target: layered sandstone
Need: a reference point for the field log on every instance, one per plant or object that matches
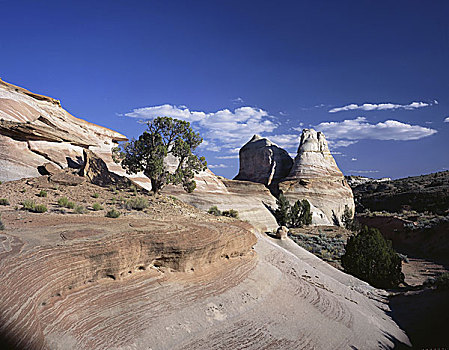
(263, 161)
(316, 177)
(35, 129)
(253, 201)
(165, 281)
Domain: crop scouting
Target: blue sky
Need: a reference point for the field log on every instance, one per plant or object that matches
(372, 75)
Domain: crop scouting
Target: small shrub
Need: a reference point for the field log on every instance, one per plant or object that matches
(28, 204)
(231, 213)
(31, 205)
(62, 202)
(23, 190)
(4, 201)
(112, 214)
(97, 207)
(42, 193)
(138, 203)
(40, 208)
(214, 211)
(95, 195)
(79, 209)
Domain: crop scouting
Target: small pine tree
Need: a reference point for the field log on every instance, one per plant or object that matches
(295, 214)
(282, 213)
(371, 258)
(306, 215)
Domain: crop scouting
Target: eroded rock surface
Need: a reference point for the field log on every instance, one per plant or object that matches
(316, 177)
(262, 161)
(35, 130)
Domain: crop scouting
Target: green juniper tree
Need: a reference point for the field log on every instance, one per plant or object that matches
(282, 213)
(165, 136)
(371, 258)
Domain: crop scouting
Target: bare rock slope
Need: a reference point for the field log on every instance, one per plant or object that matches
(170, 277)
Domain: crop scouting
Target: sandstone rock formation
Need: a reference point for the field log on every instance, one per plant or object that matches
(252, 200)
(35, 130)
(262, 161)
(316, 177)
(171, 277)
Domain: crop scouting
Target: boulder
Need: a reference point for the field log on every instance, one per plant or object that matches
(263, 161)
(66, 178)
(96, 171)
(48, 169)
(316, 177)
(282, 232)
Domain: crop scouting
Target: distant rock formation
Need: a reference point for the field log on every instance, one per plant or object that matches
(36, 131)
(354, 180)
(263, 161)
(316, 177)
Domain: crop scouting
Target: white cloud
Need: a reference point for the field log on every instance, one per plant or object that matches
(224, 128)
(339, 143)
(363, 171)
(216, 166)
(287, 141)
(360, 128)
(238, 100)
(353, 159)
(379, 107)
(234, 156)
(446, 120)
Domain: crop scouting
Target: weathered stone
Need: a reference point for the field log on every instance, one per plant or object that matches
(262, 161)
(282, 232)
(66, 178)
(35, 129)
(316, 177)
(48, 169)
(97, 172)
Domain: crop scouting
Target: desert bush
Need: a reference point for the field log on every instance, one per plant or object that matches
(371, 258)
(95, 195)
(214, 211)
(231, 213)
(79, 209)
(28, 204)
(97, 206)
(112, 214)
(40, 208)
(31, 205)
(42, 193)
(138, 203)
(62, 202)
(4, 201)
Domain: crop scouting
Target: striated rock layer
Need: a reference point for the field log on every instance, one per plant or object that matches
(52, 266)
(252, 200)
(35, 130)
(71, 282)
(316, 177)
(262, 161)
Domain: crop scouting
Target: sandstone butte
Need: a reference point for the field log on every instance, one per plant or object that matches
(168, 277)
